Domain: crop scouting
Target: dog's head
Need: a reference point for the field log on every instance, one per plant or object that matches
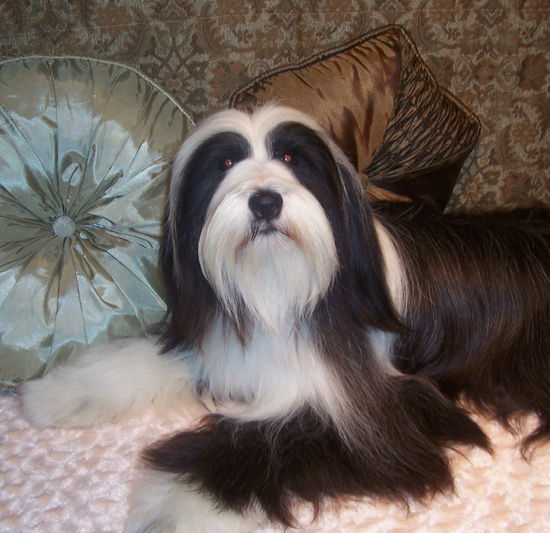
(267, 223)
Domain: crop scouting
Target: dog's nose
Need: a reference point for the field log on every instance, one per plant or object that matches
(266, 205)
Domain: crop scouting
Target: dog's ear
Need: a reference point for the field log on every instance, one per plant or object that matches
(361, 286)
(191, 301)
(197, 173)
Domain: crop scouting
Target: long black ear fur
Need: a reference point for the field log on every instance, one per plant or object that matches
(361, 282)
(191, 301)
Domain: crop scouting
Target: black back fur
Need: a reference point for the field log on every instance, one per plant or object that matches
(479, 307)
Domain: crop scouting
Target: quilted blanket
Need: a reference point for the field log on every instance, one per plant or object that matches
(79, 481)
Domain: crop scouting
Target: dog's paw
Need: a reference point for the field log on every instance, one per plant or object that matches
(104, 384)
(61, 399)
(161, 504)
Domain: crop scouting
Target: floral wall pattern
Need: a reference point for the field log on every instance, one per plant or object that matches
(492, 54)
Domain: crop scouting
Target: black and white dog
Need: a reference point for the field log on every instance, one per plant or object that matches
(328, 337)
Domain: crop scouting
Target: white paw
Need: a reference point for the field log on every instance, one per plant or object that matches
(160, 504)
(59, 399)
(116, 380)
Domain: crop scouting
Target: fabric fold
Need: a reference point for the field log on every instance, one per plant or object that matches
(86, 149)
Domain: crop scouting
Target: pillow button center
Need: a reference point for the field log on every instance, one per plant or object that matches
(64, 226)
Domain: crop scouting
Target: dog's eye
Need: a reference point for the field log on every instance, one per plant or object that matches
(225, 164)
(290, 158)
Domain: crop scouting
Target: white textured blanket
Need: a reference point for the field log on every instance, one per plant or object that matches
(66, 481)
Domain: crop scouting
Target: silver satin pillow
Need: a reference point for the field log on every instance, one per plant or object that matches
(85, 154)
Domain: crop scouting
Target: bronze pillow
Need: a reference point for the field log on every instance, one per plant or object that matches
(407, 135)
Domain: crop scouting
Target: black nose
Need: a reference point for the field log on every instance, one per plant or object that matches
(266, 205)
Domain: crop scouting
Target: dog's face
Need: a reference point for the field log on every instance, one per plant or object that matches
(260, 220)
(266, 245)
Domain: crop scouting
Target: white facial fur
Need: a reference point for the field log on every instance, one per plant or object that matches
(278, 276)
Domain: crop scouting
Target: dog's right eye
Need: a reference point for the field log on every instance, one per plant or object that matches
(226, 164)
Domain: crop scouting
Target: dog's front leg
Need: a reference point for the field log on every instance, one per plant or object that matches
(105, 384)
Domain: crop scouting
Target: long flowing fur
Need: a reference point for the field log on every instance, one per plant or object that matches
(478, 302)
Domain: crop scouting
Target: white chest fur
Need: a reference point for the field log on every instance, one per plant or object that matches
(272, 376)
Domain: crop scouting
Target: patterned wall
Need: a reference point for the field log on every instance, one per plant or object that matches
(493, 54)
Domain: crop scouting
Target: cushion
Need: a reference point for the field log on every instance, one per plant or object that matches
(408, 136)
(85, 154)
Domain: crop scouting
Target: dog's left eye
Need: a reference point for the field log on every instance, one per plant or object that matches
(290, 159)
(228, 163)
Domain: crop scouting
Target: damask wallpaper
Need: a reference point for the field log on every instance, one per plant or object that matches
(492, 54)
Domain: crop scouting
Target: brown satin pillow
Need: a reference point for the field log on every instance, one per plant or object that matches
(405, 134)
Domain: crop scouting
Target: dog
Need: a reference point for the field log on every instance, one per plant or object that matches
(330, 338)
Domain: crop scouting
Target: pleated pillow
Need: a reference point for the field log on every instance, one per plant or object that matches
(85, 154)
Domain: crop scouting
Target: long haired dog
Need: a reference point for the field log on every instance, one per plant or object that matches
(329, 337)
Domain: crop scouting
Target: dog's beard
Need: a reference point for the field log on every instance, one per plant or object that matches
(270, 273)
